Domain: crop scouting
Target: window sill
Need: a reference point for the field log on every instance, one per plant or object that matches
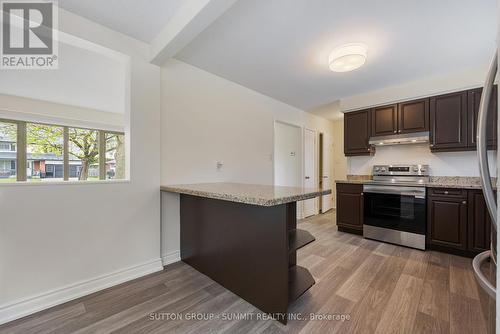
(61, 183)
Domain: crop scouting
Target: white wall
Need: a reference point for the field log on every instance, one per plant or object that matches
(288, 155)
(58, 242)
(206, 119)
(32, 110)
(442, 164)
(85, 79)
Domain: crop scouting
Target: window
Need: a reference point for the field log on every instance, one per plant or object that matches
(46, 152)
(8, 157)
(5, 146)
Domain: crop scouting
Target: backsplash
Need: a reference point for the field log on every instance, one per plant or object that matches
(441, 164)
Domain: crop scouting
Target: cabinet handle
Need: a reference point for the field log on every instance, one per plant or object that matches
(431, 145)
(362, 194)
(395, 131)
(446, 192)
(399, 131)
(464, 202)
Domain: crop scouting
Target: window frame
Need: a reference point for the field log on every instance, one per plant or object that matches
(22, 157)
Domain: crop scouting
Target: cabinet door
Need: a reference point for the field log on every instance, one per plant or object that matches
(384, 120)
(479, 222)
(474, 99)
(413, 116)
(448, 118)
(447, 222)
(357, 133)
(350, 209)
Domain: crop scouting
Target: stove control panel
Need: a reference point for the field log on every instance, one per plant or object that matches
(401, 170)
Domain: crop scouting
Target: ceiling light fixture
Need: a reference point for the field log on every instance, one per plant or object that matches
(347, 57)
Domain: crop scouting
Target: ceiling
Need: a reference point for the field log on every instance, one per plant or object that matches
(280, 47)
(142, 20)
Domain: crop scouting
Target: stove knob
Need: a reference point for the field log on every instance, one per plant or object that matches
(415, 169)
(383, 170)
(377, 169)
(423, 170)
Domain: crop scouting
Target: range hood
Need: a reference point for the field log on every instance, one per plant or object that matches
(404, 139)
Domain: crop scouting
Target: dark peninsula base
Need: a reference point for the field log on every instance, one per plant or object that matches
(249, 249)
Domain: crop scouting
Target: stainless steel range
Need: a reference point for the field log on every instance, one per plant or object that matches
(394, 205)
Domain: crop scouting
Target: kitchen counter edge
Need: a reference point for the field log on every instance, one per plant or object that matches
(247, 199)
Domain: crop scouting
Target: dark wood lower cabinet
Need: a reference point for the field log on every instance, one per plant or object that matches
(350, 208)
(479, 229)
(447, 222)
(457, 221)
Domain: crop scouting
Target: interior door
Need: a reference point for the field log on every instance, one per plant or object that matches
(310, 205)
(326, 172)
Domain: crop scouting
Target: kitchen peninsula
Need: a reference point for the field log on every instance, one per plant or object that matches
(245, 237)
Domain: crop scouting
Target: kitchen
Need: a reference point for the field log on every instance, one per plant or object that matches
(256, 166)
(410, 204)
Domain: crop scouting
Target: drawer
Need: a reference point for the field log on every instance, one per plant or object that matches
(448, 192)
(349, 188)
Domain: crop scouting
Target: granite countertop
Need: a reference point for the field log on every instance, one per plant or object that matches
(462, 182)
(262, 195)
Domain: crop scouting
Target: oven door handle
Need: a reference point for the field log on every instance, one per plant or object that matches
(395, 190)
(410, 194)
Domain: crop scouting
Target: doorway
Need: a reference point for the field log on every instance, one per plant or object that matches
(310, 206)
(325, 171)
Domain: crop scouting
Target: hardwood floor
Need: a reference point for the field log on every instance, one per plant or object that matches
(382, 288)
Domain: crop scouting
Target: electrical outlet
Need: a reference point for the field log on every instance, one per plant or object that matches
(219, 165)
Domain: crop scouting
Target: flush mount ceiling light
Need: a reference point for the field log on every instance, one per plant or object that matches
(347, 57)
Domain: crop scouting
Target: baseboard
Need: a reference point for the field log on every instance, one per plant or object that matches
(171, 257)
(27, 306)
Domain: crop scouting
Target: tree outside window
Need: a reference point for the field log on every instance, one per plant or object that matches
(44, 152)
(84, 146)
(115, 156)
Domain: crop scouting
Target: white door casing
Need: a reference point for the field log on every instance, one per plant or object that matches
(326, 200)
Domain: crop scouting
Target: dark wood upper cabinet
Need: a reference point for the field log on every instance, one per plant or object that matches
(413, 116)
(448, 122)
(357, 133)
(350, 207)
(384, 120)
(479, 223)
(474, 99)
(447, 222)
(451, 120)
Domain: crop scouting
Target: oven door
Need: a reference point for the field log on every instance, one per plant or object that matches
(398, 208)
